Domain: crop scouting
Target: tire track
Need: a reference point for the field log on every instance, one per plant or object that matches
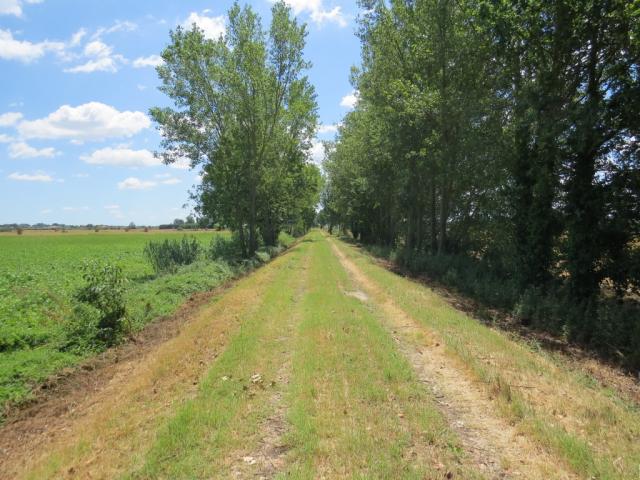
(495, 446)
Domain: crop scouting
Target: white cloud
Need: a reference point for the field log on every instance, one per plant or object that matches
(171, 181)
(133, 183)
(24, 150)
(105, 64)
(350, 100)
(80, 175)
(5, 138)
(150, 61)
(122, 157)
(33, 177)
(24, 50)
(90, 121)
(75, 209)
(318, 12)
(118, 26)
(327, 129)
(97, 49)
(141, 87)
(181, 164)
(102, 59)
(77, 37)
(317, 152)
(114, 211)
(9, 118)
(46, 211)
(213, 27)
(14, 7)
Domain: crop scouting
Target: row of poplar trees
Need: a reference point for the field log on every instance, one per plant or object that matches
(245, 113)
(505, 132)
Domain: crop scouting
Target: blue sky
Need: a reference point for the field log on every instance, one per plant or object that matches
(77, 81)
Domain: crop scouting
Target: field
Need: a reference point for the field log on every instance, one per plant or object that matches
(40, 271)
(324, 364)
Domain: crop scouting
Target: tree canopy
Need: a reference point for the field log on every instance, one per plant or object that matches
(506, 133)
(244, 112)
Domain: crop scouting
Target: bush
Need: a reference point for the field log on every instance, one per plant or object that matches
(100, 311)
(19, 231)
(285, 239)
(166, 256)
(224, 247)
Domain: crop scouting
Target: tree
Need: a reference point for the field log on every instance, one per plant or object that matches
(498, 142)
(245, 112)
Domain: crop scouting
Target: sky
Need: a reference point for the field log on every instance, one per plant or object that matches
(77, 79)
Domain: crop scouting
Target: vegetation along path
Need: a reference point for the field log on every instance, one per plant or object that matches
(323, 364)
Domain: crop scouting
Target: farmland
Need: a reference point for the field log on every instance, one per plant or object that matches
(325, 364)
(409, 246)
(39, 272)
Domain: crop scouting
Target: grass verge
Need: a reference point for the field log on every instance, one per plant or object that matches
(591, 429)
(231, 403)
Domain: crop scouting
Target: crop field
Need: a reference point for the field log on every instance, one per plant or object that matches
(40, 271)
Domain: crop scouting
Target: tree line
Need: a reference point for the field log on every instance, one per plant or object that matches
(245, 113)
(495, 143)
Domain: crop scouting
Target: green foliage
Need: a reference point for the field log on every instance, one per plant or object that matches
(42, 327)
(244, 111)
(227, 248)
(101, 311)
(167, 255)
(495, 147)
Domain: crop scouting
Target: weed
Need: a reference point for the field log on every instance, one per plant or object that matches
(166, 256)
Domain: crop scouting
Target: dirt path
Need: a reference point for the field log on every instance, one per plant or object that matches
(497, 448)
(106, 430)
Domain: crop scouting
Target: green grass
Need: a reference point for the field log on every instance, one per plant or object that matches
(225, 414)
(352, 405)
(357, 409)
(38, 275)
(593, 430)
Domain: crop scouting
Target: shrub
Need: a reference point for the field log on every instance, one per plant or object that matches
(226, 248)
(166, 256)
(19, 231)
(100, 311)
(285, 239)
(263, 256)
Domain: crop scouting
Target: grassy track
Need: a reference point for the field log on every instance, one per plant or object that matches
(589, 428)
(325, 365)
(357, 410)
(232, 401)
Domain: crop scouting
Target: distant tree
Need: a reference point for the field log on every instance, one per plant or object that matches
(132, 226)
(178, 222)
